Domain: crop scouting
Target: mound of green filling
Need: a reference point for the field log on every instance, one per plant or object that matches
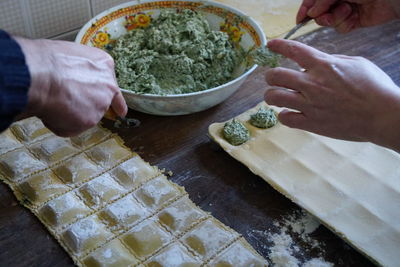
(264, 118)
(265, 57)
(178, 53)
(235, 132)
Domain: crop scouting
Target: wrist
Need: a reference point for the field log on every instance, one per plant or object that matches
(39, 69)
(387, 123)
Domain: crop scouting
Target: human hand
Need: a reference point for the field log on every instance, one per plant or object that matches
(337, 96)
(348, 15)
(72, 85)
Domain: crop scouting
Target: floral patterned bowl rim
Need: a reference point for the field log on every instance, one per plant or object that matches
(105, 18)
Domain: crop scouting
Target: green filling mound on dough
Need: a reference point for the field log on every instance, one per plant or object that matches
(235, 132)
(264, 118)
(178, 53)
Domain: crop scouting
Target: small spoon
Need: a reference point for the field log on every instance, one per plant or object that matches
(262, 55)
(298, 26)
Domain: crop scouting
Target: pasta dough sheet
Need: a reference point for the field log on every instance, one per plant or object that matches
(352, 187)
(108, 207)
(276, 18)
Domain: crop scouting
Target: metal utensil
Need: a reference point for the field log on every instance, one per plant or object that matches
(120, 122)
(126, 122)
(298, 26)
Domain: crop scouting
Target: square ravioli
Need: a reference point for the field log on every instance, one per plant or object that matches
(207, 238)
(133, 172)
(8, 142)
(146, 238)
(41, 187)
(64, 210)
(90, 137)
(180, 216)
(239, 255)
(113, 254)
(157, 192)
(108, 153)
(30, 130)
(173, 255)
(123, 213)
(100, 190)
(18, 164)
(85, 234)
(77, 169)
(53, 149)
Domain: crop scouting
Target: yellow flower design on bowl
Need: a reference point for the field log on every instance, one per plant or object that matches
(139, 20)
(143, 20)
(101, 39)
(234, 32)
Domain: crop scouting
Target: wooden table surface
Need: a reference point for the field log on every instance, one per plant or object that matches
(215, 181)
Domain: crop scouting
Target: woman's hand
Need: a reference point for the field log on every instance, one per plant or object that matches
(72, 85)
(348, 15)
(337, 96)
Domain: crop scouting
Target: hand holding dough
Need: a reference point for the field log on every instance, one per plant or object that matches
(338, 96)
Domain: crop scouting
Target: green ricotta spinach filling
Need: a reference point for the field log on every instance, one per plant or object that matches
(177, 53)
(235, 132)
(263, 118)
(264, 57)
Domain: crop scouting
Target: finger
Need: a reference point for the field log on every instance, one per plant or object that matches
(288, 78)
(341, 13)
(324, 20)
(302, 13)
(293, 119)
(304, 55)
(285, 98)
(336, 16)
(349, 24)
(118, 104)
(320, 7)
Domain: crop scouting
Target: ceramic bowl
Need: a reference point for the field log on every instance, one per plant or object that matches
(117, 21)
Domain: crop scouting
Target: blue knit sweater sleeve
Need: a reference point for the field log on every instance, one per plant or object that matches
(14, 80)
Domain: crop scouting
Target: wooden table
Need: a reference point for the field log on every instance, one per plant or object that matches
(215, 181)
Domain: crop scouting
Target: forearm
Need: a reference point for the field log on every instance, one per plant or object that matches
(14, 80)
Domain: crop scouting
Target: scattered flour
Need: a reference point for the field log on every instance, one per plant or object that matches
(281, 252)
(287, 251)
(318, 262)
(303, 224)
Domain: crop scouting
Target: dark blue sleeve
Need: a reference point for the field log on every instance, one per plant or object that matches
(14, 80)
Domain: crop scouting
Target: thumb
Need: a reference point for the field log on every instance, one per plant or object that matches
(118, 104)
(321, 7)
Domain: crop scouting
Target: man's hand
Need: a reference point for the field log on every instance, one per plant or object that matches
(347, 15)
(337, 96)
(72, 85)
